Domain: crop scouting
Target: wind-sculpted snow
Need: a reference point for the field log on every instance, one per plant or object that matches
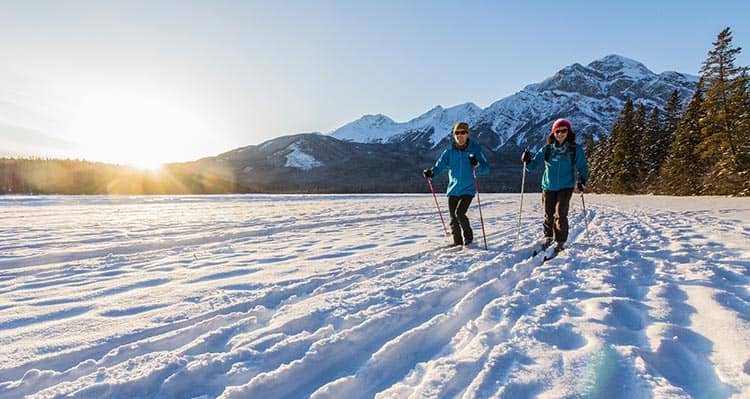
(359, 297)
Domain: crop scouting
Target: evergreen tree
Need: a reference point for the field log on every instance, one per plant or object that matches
(682, 170)
(589, 150)
(744, 126)
(637, 160)
(622, 168)
(672, 114)
(588, 146)
(600, 170)
(598, 161)
(724, 106)
(651, 159)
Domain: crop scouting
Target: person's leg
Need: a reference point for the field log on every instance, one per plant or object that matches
(561, 215)
(549, 201)
(463, 220)
(455, 226)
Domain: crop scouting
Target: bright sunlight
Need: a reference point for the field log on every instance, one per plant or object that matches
(136, 128)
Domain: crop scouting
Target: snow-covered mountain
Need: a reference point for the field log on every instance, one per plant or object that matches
(590, 96)
(377, 154)
(382, 129)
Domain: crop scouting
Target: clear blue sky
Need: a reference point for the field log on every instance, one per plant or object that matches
(147, 81)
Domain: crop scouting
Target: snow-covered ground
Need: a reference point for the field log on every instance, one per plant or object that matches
(357, 297)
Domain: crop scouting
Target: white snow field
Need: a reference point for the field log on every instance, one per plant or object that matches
(356, 296)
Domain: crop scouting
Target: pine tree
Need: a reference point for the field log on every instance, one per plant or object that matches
(683, 168)
(637, 160)
(600, 170)
(672, 114)
(724, 106)
(744, 126)
(651, 159)
(622, 168)
(588, 146)
(597, 180)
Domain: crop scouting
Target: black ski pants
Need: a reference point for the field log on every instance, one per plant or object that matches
(556, 205)
(457, 206)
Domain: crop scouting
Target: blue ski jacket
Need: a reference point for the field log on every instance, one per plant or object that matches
(558, 169)
(460, 175)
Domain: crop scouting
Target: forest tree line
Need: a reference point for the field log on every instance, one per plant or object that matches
(78, 177)
(700, 149)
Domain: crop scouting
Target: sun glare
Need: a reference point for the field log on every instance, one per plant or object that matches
(141, 129)
(148, 165)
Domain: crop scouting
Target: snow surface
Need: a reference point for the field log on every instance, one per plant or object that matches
(356, 297)
(300, 159)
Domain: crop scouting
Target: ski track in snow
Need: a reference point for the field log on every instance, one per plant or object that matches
(359, 297)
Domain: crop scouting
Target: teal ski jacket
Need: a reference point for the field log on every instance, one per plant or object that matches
(460, 175)
(558, 169)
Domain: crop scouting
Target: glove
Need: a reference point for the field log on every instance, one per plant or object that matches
(427, 173)
(581, 185)
(473, 160)
(526, 156)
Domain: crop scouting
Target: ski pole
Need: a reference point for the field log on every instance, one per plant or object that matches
(479, 203)
(585, 218)
(520, 211)
(429, 181)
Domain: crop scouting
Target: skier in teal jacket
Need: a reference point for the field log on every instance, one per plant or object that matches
(562, 160)
(460, 159)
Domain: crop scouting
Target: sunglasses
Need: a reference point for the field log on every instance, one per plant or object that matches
(561, 131)
(461, 133)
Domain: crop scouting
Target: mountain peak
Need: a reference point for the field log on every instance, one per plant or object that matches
(368, 128)
(614, 64)
(470, 106)
(376, 118)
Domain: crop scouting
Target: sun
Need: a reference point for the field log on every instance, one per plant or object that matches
(138, 128)
(148, 166)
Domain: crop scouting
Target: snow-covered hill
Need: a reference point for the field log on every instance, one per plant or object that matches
(590, 96)
(319, 296)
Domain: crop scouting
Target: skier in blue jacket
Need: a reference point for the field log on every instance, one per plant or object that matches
(460, 159)
(562, 159)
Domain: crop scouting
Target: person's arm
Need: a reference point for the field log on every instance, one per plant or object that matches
(441, 164)
(537, 159)
(484, 165)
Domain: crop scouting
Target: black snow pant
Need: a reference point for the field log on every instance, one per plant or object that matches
(556, 205)
(459, 222)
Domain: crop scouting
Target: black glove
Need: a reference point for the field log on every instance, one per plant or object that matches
(473, 161)
(427, 173)
(581, 185)
(526, 156)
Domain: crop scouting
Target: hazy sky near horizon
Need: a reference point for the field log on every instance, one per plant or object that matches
(144, 82)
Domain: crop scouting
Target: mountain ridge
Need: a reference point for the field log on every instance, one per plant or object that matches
(377, 154)
(609, 81)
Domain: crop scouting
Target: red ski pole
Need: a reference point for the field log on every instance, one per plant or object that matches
(479, 203)
(429, 181)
